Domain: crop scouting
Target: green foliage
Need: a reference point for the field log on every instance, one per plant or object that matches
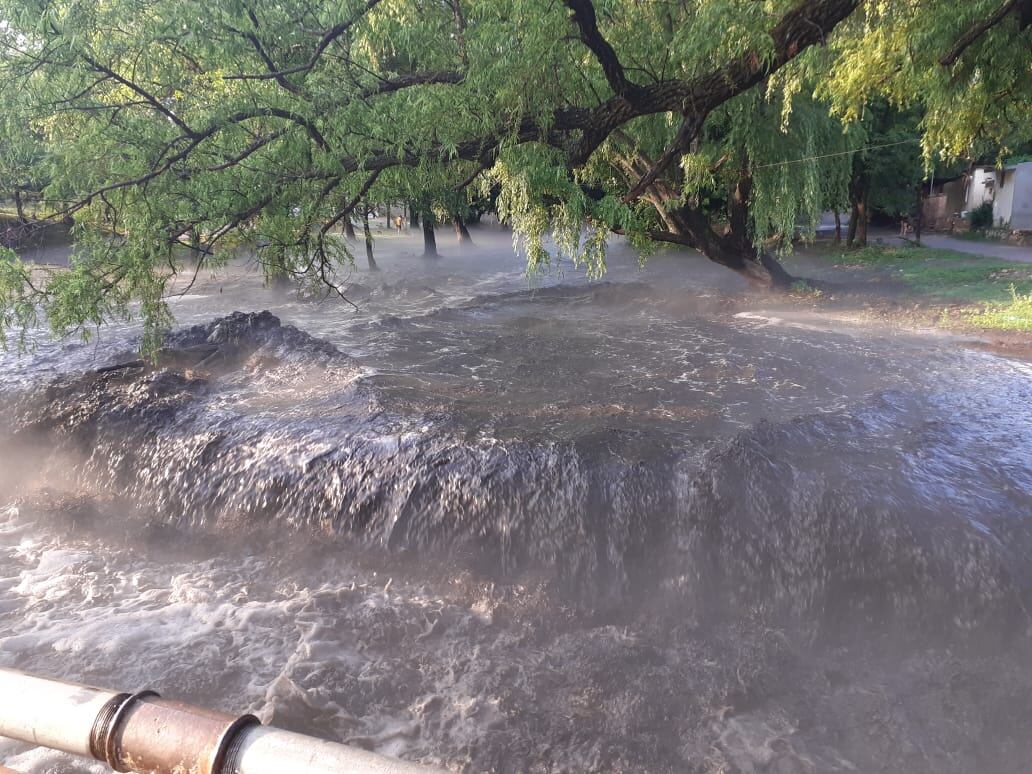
(787, 126)
(17, 307)
(943, 274)
(893, 163)
(898, 50)
(164, 126)
(982, 216)
(1014, 314)
(803, 289)
(22, 147)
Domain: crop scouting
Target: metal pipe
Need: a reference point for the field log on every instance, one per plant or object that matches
(260, 745)
(145, 733)
(49, 713)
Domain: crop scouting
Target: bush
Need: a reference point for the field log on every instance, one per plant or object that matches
(1013, 315)
(982, 216)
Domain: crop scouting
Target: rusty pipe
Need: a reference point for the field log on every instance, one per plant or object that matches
(143, 732)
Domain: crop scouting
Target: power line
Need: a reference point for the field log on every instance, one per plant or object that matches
(840, 153)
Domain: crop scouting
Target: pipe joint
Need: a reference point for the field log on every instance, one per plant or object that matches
(146, 733)
(143, 732)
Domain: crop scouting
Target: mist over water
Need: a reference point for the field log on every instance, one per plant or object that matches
(547, 525)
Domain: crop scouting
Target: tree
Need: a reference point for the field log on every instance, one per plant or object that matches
(763, 167)
(370, 260)
(429, 239)
(887, 171)
(456, 207)
(231, 119)
(22, 154)
(966, 66)
(461, 231)
(272, 121)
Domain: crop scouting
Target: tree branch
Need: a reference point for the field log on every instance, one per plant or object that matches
(977, 31)
(676, 148)
(287, 115)
(587, 24)
(325, 42)
(256, 44)
(798, 29)
(348, 209)
(391, 85)
(150, 98)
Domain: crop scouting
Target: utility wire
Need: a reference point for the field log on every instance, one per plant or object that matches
(840, 153)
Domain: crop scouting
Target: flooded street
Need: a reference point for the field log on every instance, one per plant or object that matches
(493, 524)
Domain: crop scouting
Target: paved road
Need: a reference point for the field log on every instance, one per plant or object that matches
(986, 249)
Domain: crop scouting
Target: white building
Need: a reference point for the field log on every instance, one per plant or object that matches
(980, 188)
(1010, 191)
(1012, 205)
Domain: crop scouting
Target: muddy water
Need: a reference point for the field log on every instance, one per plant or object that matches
(566, 526)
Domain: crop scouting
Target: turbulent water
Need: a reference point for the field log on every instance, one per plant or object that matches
(633, 525)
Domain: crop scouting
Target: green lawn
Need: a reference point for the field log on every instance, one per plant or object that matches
(1001, 290)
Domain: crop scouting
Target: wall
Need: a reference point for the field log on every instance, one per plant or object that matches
(954, 191)
(1004, 197)
(1021, 193)
(977, 193)
(934, 214)
(939, 208)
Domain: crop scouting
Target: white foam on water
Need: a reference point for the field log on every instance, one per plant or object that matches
(237, 633)
(419, 665)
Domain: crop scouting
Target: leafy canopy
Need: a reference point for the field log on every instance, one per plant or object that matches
(172, 128)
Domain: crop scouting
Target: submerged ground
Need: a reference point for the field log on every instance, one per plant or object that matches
(649, 524)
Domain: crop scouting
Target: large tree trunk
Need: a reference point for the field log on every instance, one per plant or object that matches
(19, 207)
(733, 249)
(863, 216)
(757, 266)
(919, 220)
(461, 232)
(413, 216)
(838, 227)
(859, 197)
(349, 229)
(690, 226)
(429, 239)
(736, 248)
(370, 261)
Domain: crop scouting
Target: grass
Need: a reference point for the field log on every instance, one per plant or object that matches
(997, 294)
(989, 283)
(803, 289)
(32, 209)
(875, 256)
(944, 274)
(1013, 315)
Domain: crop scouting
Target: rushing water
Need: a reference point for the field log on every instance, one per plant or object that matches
(565, 526)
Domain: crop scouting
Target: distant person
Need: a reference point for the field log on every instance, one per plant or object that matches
(398, 222)
(905, 228)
